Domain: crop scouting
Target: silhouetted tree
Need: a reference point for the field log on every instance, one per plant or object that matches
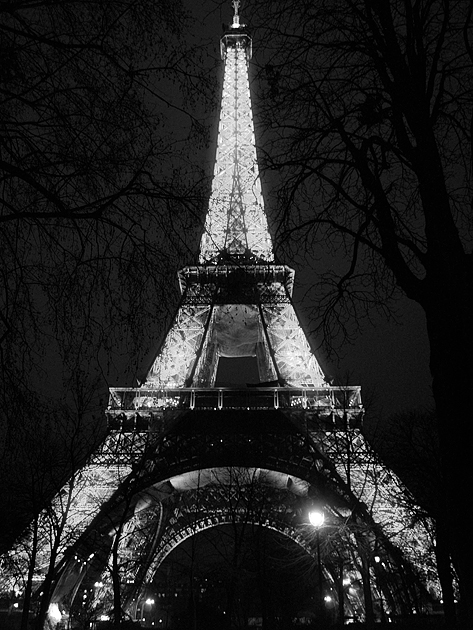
(409, 444)
(48, 454)
(369, 107)
(97, 198)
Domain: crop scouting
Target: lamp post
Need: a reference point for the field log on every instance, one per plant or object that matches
(316, 519)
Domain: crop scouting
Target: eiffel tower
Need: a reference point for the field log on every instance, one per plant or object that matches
(186, 457)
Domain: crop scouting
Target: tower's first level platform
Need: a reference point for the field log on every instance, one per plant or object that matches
(136, 409)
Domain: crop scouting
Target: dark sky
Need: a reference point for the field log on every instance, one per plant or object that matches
(391, 362)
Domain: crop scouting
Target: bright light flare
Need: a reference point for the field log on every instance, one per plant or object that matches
(54, 613)
(316, 518)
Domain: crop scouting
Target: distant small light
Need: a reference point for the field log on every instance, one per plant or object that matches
(377, 559)
(15, 605)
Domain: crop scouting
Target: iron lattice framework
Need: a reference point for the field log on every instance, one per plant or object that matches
(236, 222)
(183, 456)
(237, 302)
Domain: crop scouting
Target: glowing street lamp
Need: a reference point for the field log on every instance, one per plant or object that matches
(147, 611)
(54, 613)
(316, 518)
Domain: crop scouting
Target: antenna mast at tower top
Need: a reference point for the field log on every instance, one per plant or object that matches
(236, 17)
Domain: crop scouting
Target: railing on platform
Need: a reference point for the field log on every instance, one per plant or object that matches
(218, 398)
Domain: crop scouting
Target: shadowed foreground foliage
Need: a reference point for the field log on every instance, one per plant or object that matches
(368, 107)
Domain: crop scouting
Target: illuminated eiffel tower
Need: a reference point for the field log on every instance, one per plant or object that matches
(184, 456)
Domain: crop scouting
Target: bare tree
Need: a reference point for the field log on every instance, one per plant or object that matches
(47, 463)
(98, 201)
(368, 107)
(410, 446)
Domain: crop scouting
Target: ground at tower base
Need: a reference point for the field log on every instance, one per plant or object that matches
(288, 596)
(11, 620)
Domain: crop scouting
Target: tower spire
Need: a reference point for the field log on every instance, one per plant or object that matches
(236, 226)
(236, 17)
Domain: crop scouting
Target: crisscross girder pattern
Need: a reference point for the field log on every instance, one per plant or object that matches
(172, 365)
(236, 222)
(211, 317)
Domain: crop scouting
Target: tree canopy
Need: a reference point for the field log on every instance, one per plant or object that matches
(368, 110)
(99, 104)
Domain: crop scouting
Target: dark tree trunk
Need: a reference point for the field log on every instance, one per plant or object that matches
(451, 340)
(47, 585)
(116, 582)
(45, 597)
(442, 555)
(29, 579)
(365, 575)
(364, 552)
